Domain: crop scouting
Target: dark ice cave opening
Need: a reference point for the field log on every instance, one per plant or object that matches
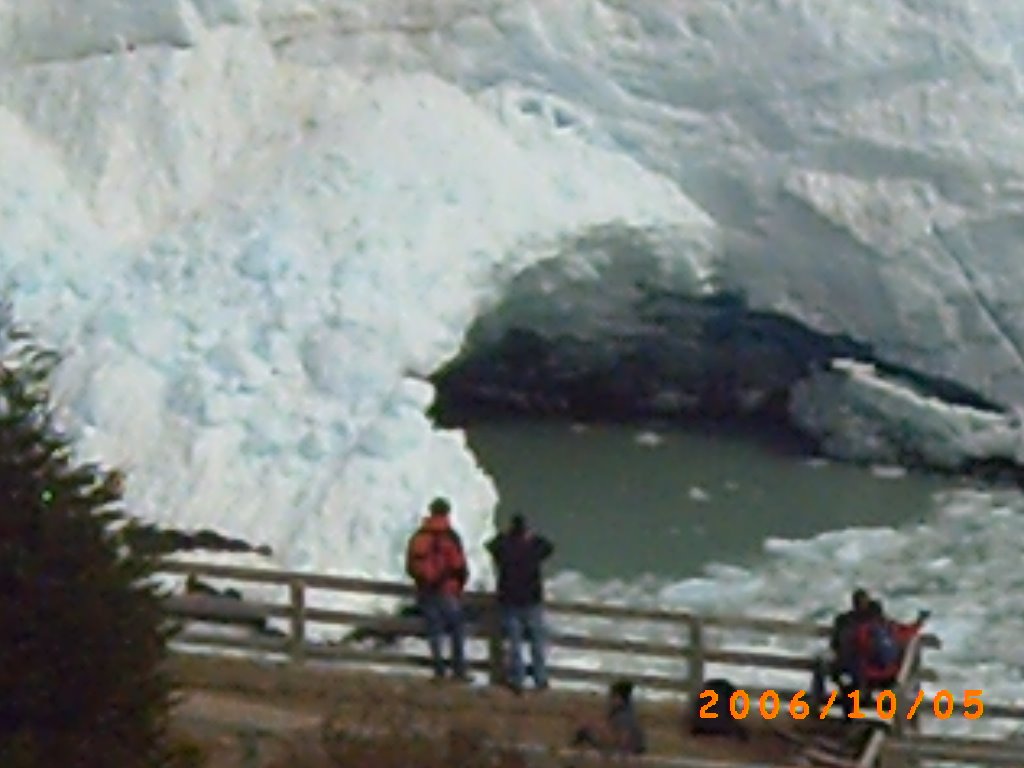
(702, 364)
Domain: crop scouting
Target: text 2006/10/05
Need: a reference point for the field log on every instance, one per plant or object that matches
(769, 705)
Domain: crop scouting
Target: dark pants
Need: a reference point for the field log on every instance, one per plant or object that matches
(443, 615)
(830, 668)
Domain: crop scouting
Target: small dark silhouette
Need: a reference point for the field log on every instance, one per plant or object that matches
(620, 732)
(154, 540)
(714, 699)
(209, 607)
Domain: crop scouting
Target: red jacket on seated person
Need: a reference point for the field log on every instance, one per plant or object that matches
(880, 643)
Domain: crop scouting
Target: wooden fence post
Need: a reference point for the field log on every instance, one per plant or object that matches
(914, 724)
(297, 636)
(904, 696)
(906, 691)
(495, 645)
(884, 758)
(873, 754)
(696, 657)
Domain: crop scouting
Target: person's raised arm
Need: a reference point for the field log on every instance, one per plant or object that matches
(544, 547)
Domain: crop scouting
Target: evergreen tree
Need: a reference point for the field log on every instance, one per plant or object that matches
(82, 632)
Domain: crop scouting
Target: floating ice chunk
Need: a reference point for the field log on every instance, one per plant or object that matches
(888, 471)
(649, 439)
(696, 493)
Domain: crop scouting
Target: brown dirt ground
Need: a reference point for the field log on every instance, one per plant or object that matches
(244, 714)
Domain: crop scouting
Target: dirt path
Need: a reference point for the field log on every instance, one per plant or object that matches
(248, 715)
(233, 711)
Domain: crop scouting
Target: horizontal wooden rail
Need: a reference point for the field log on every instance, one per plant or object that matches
(200, 606)
(579, 608)
(767, 625)
(992, 710)
(591, 609)
(230, 610)
(243, 643)
(936, 742)
(775, 626)
(953, 750)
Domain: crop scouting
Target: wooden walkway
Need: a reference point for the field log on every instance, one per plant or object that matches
(677, 652)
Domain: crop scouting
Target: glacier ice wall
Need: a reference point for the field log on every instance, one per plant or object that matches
(252, 265)
(861, 160)
(256, 226)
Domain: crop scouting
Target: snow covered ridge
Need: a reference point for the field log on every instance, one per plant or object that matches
(256, 228)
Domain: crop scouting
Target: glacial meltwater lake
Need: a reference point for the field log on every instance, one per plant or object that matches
(724, 524)
(622, 502)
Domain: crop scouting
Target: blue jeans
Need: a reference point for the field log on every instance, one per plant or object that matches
(443, 615)
(517, 621)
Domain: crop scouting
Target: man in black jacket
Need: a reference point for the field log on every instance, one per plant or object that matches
(518, 554)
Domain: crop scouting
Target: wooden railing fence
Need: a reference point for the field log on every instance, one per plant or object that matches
(688, 645)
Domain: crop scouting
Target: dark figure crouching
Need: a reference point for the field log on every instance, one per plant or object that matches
(620, 732)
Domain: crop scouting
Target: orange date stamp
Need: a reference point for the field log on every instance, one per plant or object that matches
(943, 705)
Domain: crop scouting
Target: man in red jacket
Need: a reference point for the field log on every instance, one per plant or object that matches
(436, 561)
